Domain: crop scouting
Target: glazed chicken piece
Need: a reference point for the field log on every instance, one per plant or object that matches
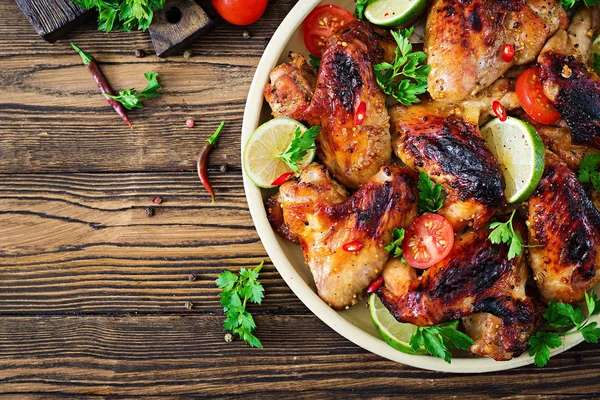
(316, 211)
(291, 88)
(464, 40)
(568, 83)
(476, 277)
(564, 230)
(443, 141)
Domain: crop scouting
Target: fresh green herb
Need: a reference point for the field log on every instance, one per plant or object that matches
(438, 340)
(131, 99)
(123, 15)
(430, 194)
(300, 145)
(588, 171)
(568, 4)
(359, 11)
(503, 232)
(395, 248)
(561, 315)
(596, 63)
(407, 64)
(237, 291)
(314, 61)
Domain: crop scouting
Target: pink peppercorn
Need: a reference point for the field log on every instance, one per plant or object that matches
(189, 123)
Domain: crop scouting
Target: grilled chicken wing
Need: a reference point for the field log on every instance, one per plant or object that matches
(476, 277)
(564, 230)
(444, 141)
(568, 83)
(464, 40)
(317, 212)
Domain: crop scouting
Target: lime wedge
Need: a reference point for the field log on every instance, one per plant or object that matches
(269, 140)
(394, 12)
(394, 333)
(595, 50)
(520, 152)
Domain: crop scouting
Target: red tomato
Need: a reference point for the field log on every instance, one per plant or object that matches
(320, 24)
(427, 240)
(532, 98)
(240, 12)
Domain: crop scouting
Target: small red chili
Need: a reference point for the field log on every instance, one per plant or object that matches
(376, 284)
(508, 52)
(361, 113)
(281, 179)
(353, 246)
(202, 163)
(499, 110)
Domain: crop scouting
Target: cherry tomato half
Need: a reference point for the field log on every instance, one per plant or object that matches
(240, 12)
(427, 240)
(532, 98)
(321, 23)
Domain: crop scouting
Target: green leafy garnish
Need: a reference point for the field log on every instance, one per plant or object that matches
(588, 172)
(406, 64)
(596, 63)
(430, 194)
(503, 232)
(300, 145)
(438, 340)
(314, 61)
(123, 15)
(568, 4)
(237, 291)
(131, 99)
(359, 11)
(395, 248)
(561, 315)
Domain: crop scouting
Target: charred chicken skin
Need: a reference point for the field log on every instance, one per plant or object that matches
(343, 238)
(464, 40)
(564, 231)
(476, 277)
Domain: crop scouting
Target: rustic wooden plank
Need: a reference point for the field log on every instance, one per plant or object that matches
(82, 243)
(157, 355)
(52, 19)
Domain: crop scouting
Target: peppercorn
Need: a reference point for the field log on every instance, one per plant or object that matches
(246, 35)
(228, 337)
(192, 277)
(140, 53)
(187, 54)
(190, 123)
(188, 305)
(223, 168)
(149, 211)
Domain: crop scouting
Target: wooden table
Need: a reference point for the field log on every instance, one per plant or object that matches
(93, 292)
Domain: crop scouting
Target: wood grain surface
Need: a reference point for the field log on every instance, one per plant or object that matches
(93, 292)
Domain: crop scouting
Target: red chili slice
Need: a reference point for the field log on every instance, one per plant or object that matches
(361, 113)
(281, 179)
(499, 110)
(353, 246)
(376, 284)
(508, 52)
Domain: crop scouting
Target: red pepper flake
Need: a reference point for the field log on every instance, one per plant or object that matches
(281, 179)
(190, 123)
(360, 114)
(386, 14)
(353, 247)
(499, 110)
(157, 200)
(376, 284)
(508, 52)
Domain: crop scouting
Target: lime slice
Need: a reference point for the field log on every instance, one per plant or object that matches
(595, 50)
(268, 141)
(394, 333)
(520, 152)
(394, 12)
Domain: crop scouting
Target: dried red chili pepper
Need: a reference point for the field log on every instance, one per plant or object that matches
(499, 110)
(376, 284)
(202, 164)
(353, 246)
(102, 83)
(281, 179)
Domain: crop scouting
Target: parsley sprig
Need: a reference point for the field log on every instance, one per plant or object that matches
(359, 11)
(438, 340)
(596, 63)
(561, 315)
(588, 172)
(430, 194)
(408, 64)
(300, 145)
(123, 15)
(131, 98)
(568, 4)
(504, 232)
(315, 62)
(237, 291)
(395, 248)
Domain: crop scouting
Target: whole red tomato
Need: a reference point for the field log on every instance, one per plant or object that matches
(240, 12)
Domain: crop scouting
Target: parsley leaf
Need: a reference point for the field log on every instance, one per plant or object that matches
(588, 172)
(359, 11)
(300, 145)
(395, 248)
(131, 99)
(439, 339)
(540, 345)
(429, 194)
(236, 292)
(503, 232)
(314, 61)
(596, 63)
(123, 15)
(406, 64)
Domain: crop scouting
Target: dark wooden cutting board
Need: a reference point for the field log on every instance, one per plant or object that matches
(52, 19)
